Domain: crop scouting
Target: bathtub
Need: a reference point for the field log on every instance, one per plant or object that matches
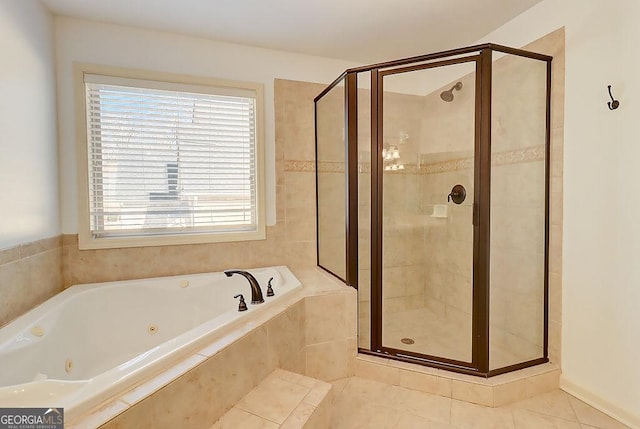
(94, 341)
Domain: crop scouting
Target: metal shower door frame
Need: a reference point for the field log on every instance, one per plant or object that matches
(483, 55)
(480, 237)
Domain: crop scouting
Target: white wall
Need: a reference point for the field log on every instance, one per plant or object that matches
(113, 45)
(29, 204)
(601, 273)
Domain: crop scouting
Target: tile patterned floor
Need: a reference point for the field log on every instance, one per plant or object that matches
(367, 404)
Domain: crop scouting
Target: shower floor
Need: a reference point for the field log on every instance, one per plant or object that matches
(446, 334)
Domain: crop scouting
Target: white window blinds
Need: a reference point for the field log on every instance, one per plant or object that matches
(168, 159)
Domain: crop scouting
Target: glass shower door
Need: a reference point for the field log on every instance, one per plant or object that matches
(427, 141)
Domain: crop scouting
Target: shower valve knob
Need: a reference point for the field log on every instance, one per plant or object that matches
(457, 195)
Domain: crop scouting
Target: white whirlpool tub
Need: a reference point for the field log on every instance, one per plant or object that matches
(94, 341)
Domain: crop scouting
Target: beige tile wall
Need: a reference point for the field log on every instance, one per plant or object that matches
(30, 274)
(330, 335)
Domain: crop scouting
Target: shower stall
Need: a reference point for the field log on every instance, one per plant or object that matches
(432, 196)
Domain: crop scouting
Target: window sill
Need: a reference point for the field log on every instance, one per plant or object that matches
(87, 242)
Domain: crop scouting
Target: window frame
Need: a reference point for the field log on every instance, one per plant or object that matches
(86, 240)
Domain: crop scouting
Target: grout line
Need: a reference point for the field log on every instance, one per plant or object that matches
(250, 412)
(574, 409)
(555, 417)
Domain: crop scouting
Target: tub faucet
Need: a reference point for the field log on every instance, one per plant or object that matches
(256, 292)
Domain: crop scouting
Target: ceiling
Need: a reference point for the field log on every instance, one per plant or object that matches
(362, 31)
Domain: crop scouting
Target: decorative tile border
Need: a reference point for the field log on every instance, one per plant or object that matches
(528, 154)
(518, 156)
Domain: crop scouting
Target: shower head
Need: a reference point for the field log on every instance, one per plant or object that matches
(448, 95)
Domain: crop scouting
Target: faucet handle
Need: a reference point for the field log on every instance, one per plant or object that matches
(242, 306)
(269, 288)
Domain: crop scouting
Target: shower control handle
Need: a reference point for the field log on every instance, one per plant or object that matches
(457, 195)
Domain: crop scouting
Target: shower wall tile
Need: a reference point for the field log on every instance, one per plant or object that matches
(435, 282)
(298, 187)
(394, 305)
(517, 227)
(301, 223)
(414, 277)
(448, 242)
(281, 166)
(300, 254)
(414, 302)
(460, 292)
(280, 200)
(30, 274)
(296, 132)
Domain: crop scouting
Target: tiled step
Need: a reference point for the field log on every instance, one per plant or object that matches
(283, 400)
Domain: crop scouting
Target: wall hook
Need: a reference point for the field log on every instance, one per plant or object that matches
(613, 104)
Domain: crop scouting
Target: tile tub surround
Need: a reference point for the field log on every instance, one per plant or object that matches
(30, 274)
(198, 390)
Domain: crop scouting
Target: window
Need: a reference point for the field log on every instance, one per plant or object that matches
(168, 159)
